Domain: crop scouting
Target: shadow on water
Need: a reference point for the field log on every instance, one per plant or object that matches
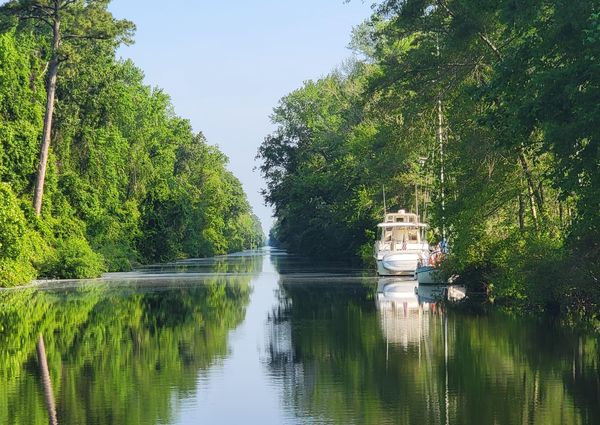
(292, 266)
(350, 353)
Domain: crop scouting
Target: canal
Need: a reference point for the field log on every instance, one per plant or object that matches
(263, 337)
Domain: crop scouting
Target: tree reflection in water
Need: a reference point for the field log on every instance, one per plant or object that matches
(345, 353)
(115, 353)
(46, 381)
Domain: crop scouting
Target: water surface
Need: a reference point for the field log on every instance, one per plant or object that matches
(262, 337)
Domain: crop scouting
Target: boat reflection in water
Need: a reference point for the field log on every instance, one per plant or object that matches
(405, 309)
(406, 294)
(408, 314)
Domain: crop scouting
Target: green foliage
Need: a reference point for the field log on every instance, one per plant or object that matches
(16, 272)
(82, 25)
(74, 259)
(21, 109)
(518, 89)
(12, 224)
(15, 265)
(318, 169)
(128, 181)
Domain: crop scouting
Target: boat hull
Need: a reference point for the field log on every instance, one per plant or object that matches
(428, 275)
(397, 264)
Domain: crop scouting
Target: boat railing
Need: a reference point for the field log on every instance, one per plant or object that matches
(399, 246)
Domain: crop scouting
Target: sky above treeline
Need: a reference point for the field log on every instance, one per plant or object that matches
(227, 64)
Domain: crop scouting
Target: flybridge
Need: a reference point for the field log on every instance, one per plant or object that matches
(401, 219)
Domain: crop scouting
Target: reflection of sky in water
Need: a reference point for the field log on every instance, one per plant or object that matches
(263, 337)
(237, 391)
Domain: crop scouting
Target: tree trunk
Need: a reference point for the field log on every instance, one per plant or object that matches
(533, 190)
(417, 200)
(47, 132)
(521, 213)
(560, 213)
(46, 382)
(532, 206)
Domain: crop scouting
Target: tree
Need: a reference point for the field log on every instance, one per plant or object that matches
(69, 24)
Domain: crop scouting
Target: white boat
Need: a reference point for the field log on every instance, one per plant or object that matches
(402, 244)
(429, 279)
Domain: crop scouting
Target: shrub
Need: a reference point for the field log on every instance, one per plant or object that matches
(12, 224)
(15, 264)
(74, 259)
(15, 272)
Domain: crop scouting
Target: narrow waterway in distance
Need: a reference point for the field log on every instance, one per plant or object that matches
(267, 338)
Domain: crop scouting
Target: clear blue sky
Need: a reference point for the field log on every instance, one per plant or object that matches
(226, 64)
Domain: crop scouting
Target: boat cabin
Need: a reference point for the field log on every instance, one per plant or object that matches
(402, 228)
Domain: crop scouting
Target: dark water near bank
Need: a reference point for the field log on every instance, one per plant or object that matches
(266, 338)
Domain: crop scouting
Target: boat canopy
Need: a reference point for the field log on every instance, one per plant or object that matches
(401, 224)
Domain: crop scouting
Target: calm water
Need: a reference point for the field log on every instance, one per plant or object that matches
(266, 338)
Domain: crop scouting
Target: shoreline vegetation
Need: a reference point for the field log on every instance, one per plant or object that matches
(517, 85)
(127, 181)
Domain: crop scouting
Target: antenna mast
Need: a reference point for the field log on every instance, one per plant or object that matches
(440, 136)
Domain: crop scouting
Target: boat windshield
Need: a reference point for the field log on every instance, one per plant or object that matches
(400, 234)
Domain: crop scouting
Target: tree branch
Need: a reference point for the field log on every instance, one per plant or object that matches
(46, 10)
(481, 35)
(66, 3)
(37, 18)
(86, 37)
